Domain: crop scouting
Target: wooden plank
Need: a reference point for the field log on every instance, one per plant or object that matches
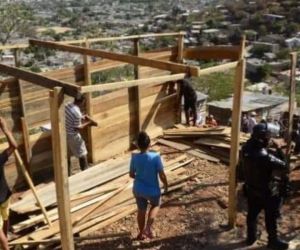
(31, 185)
(212, 52)
(235, 133)
(127, 84)
(60, 167)
(135, 91)
(292, 95)
(173, 67)
(188, 149)
(219, 68)
(69, 89)
(80, 182)
(180, 47)
(89, 106)
(26, 142)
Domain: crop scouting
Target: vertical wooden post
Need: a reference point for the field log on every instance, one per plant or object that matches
(291, 102)
(27, 146)
(17, 57)
(180, 47)
(59, 147)
(136, 90)
(25, 131)
(235, 133)
(179, 59)
(89, 105)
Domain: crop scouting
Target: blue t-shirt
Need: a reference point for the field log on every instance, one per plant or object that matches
(146, 167)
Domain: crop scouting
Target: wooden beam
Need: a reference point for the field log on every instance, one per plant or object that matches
(14, 46)
(31, 185)
(89, 106)
(212, 52)
(173, 67)
(47, 82)
(136, 89)
(219, 68)
(26, 141)
(59, 147)
(235, 133)
(291, 102)
(180, 47)
(119, 38)
(77, 239)
(127, 84)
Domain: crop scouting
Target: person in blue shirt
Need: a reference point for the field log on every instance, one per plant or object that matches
(145, 168)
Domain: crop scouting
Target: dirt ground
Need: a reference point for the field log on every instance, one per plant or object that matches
(195, 217)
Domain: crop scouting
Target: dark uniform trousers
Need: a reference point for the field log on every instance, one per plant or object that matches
(271, 206)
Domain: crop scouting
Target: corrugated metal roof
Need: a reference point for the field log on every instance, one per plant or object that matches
(252, 101)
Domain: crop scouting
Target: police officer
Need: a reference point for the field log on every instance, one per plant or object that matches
(261, 187)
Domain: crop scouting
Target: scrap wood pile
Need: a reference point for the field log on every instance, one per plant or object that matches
(100, 196)
(212, 144)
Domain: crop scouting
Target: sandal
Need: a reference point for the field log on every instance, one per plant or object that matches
(140, 236)
(149, 234)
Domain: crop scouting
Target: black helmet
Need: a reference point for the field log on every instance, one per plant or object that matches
(260, 131)
(264, 131)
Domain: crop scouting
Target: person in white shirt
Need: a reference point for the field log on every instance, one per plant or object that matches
(76, 122)
(251, 122)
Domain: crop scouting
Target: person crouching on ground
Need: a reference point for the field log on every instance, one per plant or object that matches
(5, 192)
(76, 122)
(145, 168)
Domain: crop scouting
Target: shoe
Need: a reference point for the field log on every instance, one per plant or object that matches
(250, 241)
(278, 245)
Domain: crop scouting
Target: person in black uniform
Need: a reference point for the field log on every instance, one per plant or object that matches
(190, 100)
(262, 173)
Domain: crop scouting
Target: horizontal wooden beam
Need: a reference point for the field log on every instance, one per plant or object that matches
(14, 46)
(127, 84)
(50, 83)
(212, 52)
(119, 38)
(219, 68)
(169, 66)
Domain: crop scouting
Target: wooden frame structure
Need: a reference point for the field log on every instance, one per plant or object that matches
(60, 88)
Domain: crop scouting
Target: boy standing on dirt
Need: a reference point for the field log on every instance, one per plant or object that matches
(5, 192)
(145, 167)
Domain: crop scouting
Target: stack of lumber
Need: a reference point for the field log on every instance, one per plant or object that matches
(100, 196)
(212, 144)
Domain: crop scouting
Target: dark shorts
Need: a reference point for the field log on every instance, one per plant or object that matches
(142, 201)
(191, 104)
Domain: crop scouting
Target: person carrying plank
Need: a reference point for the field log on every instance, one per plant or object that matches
(145, 168)
(5, 191)
(76, 122)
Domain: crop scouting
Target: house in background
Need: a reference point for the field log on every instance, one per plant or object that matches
(263, 105)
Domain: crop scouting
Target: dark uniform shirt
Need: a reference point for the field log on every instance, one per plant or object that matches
(188, 92)
(5, 192)
(259, 165)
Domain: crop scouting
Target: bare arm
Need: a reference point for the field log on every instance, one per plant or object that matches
(11, 140)
(86, 122)
(164, 180)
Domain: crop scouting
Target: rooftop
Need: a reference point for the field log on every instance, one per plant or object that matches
(252, 101)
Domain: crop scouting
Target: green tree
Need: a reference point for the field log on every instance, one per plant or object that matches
(14, 18)
(259, 50)
(217, 86)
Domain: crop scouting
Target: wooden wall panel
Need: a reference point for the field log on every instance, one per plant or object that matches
(115, 112)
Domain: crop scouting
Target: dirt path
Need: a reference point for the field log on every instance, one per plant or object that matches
(194, 217)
